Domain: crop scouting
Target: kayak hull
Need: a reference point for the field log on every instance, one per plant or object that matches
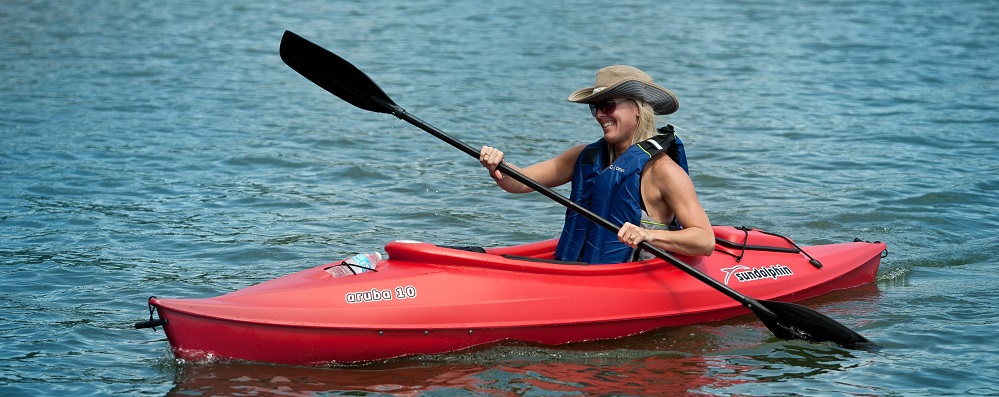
(426, 299)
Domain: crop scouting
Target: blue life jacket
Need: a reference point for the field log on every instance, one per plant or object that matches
(612, 191)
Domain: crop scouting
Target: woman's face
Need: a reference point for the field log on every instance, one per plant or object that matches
(618, 117)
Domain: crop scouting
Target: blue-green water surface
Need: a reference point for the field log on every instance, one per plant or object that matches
(164, 148)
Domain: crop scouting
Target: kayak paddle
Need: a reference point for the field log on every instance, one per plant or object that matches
(343, 79)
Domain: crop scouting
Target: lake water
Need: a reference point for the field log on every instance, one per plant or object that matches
(164, 148)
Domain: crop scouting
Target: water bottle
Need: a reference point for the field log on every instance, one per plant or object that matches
(357, 264)
(364, 261)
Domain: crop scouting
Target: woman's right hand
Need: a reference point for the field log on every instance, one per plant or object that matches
(491, 158)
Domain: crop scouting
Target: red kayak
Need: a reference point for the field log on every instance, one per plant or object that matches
(430, 299)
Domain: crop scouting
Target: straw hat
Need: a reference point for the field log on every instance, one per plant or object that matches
(628, 82)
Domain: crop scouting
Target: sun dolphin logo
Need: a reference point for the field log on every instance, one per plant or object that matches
(745, 273)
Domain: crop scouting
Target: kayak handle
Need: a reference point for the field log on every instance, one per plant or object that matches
(152, 323)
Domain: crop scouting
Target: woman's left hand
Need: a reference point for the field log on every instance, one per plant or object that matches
(491, 158)
(632, 235)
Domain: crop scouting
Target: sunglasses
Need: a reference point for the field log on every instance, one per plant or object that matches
(607, 106)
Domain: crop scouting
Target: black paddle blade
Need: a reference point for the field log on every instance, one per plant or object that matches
(334, 74)
(798, 322)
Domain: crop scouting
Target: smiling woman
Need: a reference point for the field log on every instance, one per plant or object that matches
(646, 191)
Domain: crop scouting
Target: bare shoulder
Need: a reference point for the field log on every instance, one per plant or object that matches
(663, 169)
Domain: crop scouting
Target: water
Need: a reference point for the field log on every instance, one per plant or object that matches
(164, 148)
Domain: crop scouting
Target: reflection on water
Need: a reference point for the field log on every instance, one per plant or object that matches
(542, 371)
(547, 372)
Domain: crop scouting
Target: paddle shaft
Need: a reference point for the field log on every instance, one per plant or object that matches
(401, 113)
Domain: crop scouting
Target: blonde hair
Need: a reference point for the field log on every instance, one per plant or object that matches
(646, 127)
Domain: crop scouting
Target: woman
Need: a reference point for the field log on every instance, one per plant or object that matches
(624, 182)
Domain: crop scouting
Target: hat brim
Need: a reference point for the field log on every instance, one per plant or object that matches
(662, 100)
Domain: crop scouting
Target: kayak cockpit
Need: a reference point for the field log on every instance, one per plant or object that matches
(538, 257)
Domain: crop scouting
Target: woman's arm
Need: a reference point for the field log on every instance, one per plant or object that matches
(671, 191)
(553, 172)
